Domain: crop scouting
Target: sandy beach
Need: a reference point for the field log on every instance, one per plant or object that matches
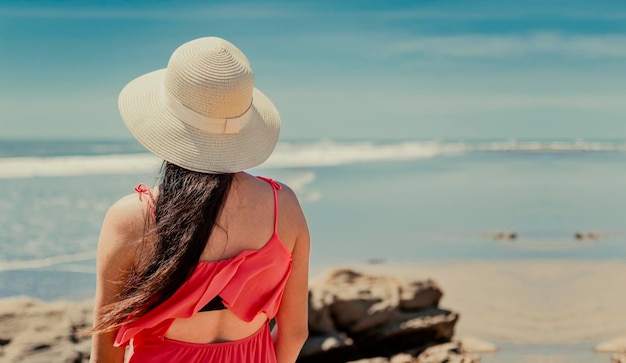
(544, 311)
(535, 311)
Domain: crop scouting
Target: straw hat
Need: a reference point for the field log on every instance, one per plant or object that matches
(202, 112)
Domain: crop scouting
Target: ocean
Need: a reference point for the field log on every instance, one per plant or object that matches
(365, 202)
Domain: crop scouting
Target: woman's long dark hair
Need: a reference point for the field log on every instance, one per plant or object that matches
(187, 207)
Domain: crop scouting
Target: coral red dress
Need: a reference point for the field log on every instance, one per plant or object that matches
(248, 284)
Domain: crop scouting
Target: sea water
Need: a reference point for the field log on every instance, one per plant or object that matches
(365, 201)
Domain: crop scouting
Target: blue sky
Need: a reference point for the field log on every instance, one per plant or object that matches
(335, 69)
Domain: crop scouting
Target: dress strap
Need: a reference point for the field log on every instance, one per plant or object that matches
(143, 190)
(275, 186)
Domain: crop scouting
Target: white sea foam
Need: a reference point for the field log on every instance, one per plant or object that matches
(47, 262)
(293, 155)
(329, 153)
(28, 167)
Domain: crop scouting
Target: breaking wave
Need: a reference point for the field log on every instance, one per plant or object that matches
(295, 155)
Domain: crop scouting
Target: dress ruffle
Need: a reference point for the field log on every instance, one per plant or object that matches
(250, 283)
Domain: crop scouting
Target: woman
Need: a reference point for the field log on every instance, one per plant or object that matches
(194, 270)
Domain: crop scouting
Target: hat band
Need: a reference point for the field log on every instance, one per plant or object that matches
(225, 126)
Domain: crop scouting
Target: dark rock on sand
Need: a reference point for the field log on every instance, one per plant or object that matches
(581, 236)
(447, 353)
(417, 295)
(453, 352)
(506, 236)
(358, 316)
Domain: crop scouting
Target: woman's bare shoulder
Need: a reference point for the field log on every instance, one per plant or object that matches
(288, 198)
(124, 225)
(290, 213)
(128, 209)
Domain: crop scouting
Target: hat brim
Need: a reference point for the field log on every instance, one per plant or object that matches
(157, 129)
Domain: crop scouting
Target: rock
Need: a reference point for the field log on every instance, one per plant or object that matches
(320, 320)
(372, 319)
(588, 235)
(507, 236)
(398, 358)
(371, 360)
(616, 345)
(438, 324)
(402, 358)
(322, 344)
(475, 345)
(618, 358)
(356, 302)
(447, 353)
(418, 295)
(444, 353)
